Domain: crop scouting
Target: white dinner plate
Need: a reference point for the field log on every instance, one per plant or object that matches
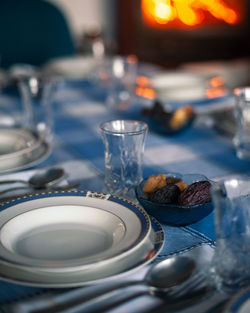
(20, 148)
(179, 86)
(31, 277)
(70, 232)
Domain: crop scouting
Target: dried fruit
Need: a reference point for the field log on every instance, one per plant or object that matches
(196, 193)
(172, 180)
(153, 183)
(167, 194)
(181, 116)
(182, 185)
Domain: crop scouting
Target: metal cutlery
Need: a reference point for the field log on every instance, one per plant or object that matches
(96, 299)
(56, 188)
(172, 300)
(40, 180)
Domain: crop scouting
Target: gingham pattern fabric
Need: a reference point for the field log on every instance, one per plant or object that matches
(79, 108)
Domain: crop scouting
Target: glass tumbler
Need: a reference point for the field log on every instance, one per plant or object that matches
(241, 139)
(37, 95)
(122, 74)
(124, 142)
(12, 111)
(230, 265)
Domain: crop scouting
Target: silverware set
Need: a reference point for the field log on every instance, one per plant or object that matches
(189, 286)
(42, 180)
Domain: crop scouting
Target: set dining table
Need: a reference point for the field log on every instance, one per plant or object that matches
(78, 109)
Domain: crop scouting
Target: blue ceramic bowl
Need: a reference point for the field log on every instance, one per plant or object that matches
(158, 119)
(175, 214)
(160, 127)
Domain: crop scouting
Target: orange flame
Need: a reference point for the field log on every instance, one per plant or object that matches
(143, 88)
(189, 12)
(216, 81)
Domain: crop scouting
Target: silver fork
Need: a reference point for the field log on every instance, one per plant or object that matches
(197, 281)
(196, 289)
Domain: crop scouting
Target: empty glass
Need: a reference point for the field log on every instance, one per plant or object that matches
(12, 110)
(37, 94)
(230, 265)
(242, 112)
(121, 76)
(124, 148)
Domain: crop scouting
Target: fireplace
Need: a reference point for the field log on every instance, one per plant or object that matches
(170, 32)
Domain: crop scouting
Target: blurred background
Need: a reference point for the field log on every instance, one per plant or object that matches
(167, 32)
(199, 36)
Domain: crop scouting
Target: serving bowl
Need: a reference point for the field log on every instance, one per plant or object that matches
(175, 214)
(169, 122)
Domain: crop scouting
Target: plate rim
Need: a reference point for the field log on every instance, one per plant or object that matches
(237, 301)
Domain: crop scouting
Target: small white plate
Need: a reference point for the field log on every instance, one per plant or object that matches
(71, 231)
(74, 67)
(13, 140)
(179, 86)
(20, 148)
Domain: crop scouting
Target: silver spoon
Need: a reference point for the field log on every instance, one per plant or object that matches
(160, 277)
(40, 180)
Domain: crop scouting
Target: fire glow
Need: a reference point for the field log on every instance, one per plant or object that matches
(188, 12)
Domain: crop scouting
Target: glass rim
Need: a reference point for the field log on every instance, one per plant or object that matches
(120, 132)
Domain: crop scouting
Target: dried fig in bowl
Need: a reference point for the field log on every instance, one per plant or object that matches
(196, 193)
(166, 194)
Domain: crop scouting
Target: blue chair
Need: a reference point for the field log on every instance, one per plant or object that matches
(33, 32)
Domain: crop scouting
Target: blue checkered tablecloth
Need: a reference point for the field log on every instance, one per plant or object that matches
(78, 109)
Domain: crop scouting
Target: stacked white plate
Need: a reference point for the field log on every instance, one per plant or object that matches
(235, 72)
(72, 67)
(20, 148)
(179, 86)
(74, 238)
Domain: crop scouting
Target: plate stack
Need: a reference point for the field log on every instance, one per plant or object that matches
(66, 239)
(20, 148)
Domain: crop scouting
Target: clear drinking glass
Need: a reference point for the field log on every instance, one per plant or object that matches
(124, 142)
(230, 266)
(241, 139)
(121, 76)
(12, 110)
(37, 96)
